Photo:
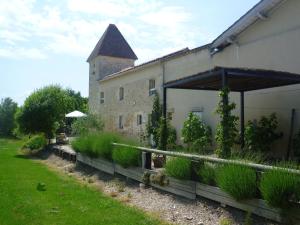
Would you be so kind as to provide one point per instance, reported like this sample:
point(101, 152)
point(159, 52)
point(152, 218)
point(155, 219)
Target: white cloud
point(167, 17)
point(73, 27)
point(107, 7)
point(21, 53)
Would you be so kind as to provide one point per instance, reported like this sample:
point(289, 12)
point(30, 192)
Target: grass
point(179, 168)
point(278, 187)
point(60, 199)
point(238, 181)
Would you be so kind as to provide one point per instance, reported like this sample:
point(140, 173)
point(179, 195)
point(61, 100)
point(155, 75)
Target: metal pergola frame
point(236, 79)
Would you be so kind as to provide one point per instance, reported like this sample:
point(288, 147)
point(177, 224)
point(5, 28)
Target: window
point(152, 90)
point(139, 119)
point(121, 93)
point(120, 122)
point(198, 113)
point(101, 97)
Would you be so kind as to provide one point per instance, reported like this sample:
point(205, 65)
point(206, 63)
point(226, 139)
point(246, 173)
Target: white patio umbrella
point(75, 114)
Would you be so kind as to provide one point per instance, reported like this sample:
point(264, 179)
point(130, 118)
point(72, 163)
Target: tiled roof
point(112, 43)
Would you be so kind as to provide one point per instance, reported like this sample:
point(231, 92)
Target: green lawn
point(65, 201)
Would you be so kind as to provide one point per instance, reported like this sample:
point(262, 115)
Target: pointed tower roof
point(112, 43)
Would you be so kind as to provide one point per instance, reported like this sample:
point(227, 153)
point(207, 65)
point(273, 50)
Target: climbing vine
point(153, 125)
point(227, 132)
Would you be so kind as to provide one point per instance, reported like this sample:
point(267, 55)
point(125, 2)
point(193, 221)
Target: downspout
point(164, 91)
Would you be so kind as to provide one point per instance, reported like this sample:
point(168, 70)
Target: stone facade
point(100, 67)
point(136, 103)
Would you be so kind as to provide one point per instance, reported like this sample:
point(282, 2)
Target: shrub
point(196, 134)
point(179, 168)
point(36, 142)
point(126, 156)
point(103, 144)
point(167, 135)
point(238, 181)
point(88, 124)
point(207, 173)
point(95, 145)
point(278, 187)
point(259, 136)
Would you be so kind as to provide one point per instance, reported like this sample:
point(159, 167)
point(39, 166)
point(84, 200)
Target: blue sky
point(48, 41)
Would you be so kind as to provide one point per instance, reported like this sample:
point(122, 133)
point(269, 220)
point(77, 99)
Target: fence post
point(146, 160)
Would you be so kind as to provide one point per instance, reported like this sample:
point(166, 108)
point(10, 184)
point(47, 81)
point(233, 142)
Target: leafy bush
point(167, 135)
point(196, 134)
point(126, 156)
point(88, 124)
point(278, 187)
point(95, 145)
point(36, 142)
point(238, 181)
point(207, 173)
point(259, 136)
point(179, 168)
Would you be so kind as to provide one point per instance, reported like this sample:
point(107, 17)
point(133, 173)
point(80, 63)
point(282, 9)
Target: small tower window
point(152, 89)
point(139, 119)
point(101, 97)
point(120, 122)
point(121, 93)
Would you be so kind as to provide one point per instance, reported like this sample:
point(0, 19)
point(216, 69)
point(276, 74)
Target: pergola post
point(242, 118)
point(225, 112)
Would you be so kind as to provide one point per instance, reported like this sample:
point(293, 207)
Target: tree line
point(42, 112)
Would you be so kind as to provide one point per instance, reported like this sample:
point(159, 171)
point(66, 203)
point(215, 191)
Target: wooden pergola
point(237, 80)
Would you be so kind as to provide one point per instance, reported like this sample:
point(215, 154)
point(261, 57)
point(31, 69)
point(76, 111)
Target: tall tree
point(44, 110)
point(8, 109)
point(80, 103)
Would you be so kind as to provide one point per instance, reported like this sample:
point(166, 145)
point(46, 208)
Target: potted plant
point(158, 160)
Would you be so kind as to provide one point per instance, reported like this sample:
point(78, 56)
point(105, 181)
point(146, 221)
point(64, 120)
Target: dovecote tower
point(111, 54)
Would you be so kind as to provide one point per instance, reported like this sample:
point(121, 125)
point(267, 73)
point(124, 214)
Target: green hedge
point(277, 187)
point(238, 181)
point(179, 168)
point(127, 156)
point(36, 142)
point(207, 173)
point(96, 145)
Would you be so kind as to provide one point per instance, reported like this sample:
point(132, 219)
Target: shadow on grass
point(40, 154)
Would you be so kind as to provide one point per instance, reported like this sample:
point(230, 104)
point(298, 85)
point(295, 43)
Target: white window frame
point(152, 88)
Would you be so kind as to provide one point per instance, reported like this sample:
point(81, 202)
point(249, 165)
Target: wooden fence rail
point(194, 157)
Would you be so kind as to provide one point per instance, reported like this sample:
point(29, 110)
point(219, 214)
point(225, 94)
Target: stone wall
point(99, 68)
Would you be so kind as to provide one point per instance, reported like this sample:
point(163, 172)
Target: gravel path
point(166, 206)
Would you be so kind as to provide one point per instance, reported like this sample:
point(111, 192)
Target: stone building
point(260, 53)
